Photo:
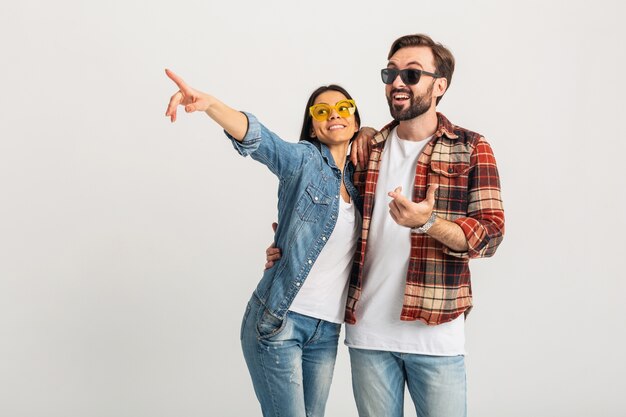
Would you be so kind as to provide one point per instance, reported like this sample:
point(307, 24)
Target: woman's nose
point(333, 114)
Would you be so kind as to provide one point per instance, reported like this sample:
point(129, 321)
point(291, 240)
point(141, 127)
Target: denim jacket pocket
point(312, 203)
point(268, 325)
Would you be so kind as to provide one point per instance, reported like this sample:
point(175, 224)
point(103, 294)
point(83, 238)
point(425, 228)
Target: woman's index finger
point(177, 80)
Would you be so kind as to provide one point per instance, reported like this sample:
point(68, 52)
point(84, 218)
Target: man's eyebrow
point(392, 64)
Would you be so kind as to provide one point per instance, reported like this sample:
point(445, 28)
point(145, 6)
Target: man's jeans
point(291, 361)
point(436, 383)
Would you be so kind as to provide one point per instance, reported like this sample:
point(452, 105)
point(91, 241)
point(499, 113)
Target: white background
point(129, 246)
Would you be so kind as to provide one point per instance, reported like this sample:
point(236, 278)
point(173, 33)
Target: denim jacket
point(308, 205)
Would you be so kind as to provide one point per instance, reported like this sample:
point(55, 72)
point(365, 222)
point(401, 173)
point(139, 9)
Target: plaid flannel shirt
point(438, 287)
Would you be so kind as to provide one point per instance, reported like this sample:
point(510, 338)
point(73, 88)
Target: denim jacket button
point(310, 262)
point(297, 284)
point(324, 238)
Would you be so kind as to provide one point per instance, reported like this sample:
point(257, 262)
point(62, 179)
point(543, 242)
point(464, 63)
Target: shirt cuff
point(474, 234)
point(251, 139)
point(462, 255)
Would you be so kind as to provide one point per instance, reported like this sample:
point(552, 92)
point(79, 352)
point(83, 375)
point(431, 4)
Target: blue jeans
point(291, 361)
point(436, 383)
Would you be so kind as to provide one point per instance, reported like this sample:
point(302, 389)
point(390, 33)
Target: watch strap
point(429, 223)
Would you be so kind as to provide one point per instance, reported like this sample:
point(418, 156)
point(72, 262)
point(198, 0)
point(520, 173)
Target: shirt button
point(324, 238)
point(297, 284)
point(336, 196)
point(310, 262)
point(316, 199)
point(450, 170)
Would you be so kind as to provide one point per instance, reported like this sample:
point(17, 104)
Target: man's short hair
point(444, 60)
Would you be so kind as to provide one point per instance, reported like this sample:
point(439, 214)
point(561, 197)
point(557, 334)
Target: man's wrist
point(426, 226)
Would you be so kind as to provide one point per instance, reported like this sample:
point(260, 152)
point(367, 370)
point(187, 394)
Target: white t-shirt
point(324, 292)
point(378, 324)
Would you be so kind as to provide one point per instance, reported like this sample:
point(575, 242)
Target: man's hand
point(409, 214)
point(272, 253)
point(362, 146)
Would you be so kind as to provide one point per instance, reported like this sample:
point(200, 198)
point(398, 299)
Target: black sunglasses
point(409, 76)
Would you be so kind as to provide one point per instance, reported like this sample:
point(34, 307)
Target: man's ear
point(441, 85)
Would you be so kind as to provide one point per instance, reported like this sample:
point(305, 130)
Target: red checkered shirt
point(438, 287)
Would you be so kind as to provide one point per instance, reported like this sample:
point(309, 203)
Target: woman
point(291, 326)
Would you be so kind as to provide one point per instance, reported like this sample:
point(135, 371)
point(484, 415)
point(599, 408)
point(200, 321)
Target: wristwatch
point(424, 228)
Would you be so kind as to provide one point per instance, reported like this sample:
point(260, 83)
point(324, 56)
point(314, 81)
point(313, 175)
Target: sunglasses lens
point(410, 76)
point(320, 112)
point(388, 75)
point(345, 108)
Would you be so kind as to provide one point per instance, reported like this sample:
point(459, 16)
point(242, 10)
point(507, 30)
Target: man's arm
point(484, 224)
point(480, 232)
point(410, 214)
point(272, 253)
point(361, 147)
point(450, 234)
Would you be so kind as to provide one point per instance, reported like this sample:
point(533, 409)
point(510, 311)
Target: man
point(431, 202)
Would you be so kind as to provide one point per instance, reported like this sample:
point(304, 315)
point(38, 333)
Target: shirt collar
point(325, 151)
point(444, 127)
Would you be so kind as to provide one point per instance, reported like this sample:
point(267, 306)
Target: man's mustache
point(401, 90)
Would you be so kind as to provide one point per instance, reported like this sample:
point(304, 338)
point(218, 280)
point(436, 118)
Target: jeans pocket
point(243, 321)
point(268, 325)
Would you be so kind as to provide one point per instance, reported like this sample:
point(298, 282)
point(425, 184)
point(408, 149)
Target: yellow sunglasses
point(322, 111)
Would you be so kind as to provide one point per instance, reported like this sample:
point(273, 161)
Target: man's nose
point(397, 82)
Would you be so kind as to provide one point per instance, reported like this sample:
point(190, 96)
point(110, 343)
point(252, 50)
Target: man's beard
point(418, 105)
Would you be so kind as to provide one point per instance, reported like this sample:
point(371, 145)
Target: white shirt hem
point(388, 348)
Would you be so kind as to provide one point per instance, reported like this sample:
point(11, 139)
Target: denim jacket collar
point(325, 151)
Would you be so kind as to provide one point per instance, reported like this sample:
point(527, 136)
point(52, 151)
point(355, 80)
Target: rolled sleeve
point(283, 158)
point(252, 138)
point(483, 226)
point(483, 236)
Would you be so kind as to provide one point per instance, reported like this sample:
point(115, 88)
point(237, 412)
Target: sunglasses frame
point(388, 74)
point(351, 110)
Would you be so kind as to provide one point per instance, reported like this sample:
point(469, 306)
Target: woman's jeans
point(291, 361)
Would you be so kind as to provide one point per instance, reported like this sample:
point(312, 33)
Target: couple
point(384, 248)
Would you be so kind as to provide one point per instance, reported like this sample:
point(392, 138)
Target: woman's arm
point(233, 121)
point(249, 136)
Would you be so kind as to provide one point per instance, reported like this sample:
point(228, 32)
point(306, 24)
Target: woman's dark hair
point(307, 124)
